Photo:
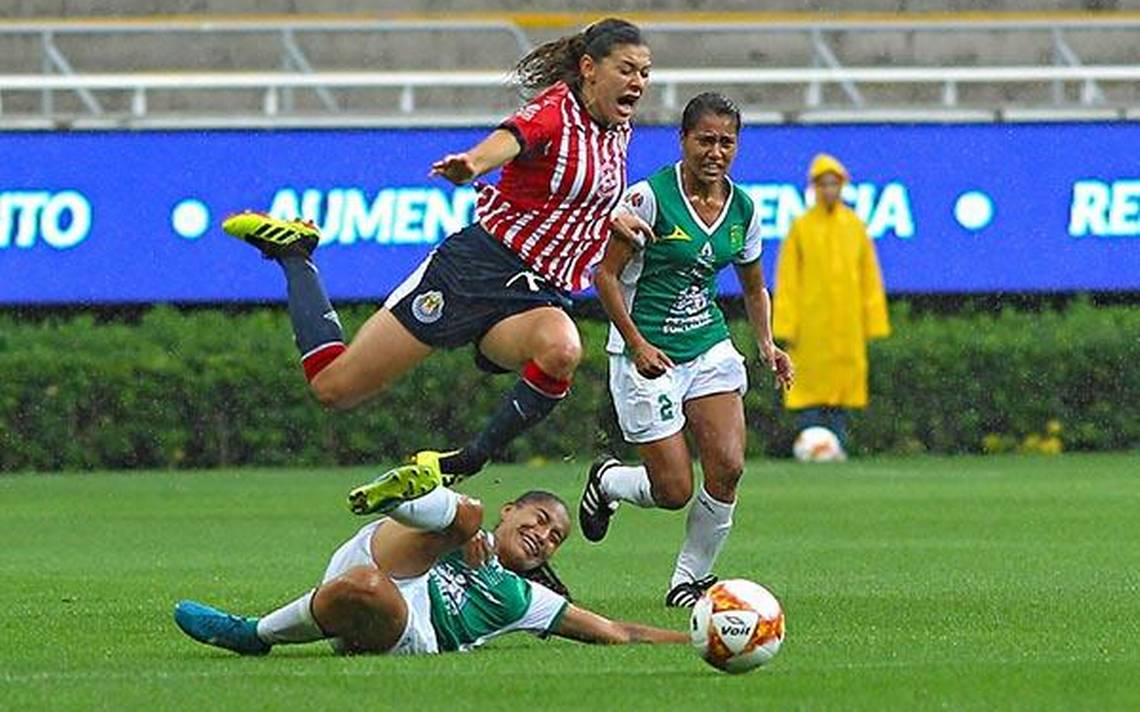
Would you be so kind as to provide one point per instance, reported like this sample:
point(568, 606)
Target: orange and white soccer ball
point(737, 625)
point(818, 444)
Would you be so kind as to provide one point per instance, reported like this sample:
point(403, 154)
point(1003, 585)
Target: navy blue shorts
point(464, 287)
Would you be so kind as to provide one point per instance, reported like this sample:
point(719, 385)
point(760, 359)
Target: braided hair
point(559, 60)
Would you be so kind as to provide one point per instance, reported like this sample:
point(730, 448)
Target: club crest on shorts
point(428, 307)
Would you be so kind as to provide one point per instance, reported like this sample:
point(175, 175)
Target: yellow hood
point(824, 163)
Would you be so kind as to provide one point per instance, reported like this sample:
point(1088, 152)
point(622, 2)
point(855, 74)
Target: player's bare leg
point(717, 424)
point(663, 479)
point(543, 345)
point(545, 335)
point(406, 547)
point(340, 376)
point(363, 607)
point(670, 471)
point(380, 353)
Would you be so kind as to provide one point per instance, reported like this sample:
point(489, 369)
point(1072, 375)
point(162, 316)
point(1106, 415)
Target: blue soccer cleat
point(218, 628)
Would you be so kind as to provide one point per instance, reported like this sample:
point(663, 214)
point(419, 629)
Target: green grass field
point(923, 583)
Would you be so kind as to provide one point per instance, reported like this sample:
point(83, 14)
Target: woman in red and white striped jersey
point(503, 282)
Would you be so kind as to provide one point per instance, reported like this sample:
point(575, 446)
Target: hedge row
point(206, 388)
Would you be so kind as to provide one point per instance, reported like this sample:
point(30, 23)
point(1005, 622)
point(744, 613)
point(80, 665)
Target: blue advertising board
point(119, 217)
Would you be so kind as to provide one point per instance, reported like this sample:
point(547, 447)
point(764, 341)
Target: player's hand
point(477, 551)
point(631, 228)
point(456, 167)
point(780, 363)
point(650, 361)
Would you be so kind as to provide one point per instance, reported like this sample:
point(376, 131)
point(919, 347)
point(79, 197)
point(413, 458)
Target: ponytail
point(559, 60)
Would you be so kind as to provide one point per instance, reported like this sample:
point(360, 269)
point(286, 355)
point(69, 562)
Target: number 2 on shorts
point(666, 407)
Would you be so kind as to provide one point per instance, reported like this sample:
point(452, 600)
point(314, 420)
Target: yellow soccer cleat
point(273, 236)
point(398, 485)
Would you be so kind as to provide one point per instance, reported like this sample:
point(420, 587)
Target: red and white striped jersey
point(553, 202)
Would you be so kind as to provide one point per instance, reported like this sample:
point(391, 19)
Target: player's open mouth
point(626, 102)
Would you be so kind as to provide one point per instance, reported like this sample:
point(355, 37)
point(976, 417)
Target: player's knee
point(723, 475)
point(327, 391)
point(332, 391)
point(673, 494)
point(468, 519)
point(360, 585)
point(560, 357)
point(730, 470)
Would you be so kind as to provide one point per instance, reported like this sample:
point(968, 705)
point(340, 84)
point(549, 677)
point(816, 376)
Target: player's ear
point(587, 68)
point(509, 506)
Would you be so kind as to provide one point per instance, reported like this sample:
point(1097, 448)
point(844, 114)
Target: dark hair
point(540, 496)
point(709, 102)
point(558, 59)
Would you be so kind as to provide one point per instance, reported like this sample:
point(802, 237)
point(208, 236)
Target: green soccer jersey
point(669, 286)
point(472, 605)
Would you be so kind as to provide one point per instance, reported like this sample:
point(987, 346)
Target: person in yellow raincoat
point(829, 302)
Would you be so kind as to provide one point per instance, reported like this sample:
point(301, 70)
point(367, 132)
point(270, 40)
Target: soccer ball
point(818, 444)
point(737, 626)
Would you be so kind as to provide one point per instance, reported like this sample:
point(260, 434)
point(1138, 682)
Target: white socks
point(622, 483)
point(433, 512)
point(706, 529)
point(291, 623)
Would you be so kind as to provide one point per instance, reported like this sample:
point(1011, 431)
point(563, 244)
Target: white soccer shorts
point(651, 409)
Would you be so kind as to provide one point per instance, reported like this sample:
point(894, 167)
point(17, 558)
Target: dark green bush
point(204, 388)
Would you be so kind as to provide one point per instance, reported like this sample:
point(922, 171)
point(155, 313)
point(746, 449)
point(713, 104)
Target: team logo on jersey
point(677, 234)
point(705, 259)
point(635, 199)
point(736, 237)
point(428, 307)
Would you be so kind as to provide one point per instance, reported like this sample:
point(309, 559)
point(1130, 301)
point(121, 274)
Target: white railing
point(284, 31)
point(277, 105)
point(820, 33)
point(668, 82)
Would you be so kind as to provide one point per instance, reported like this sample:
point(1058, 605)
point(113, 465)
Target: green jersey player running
point(427, 579)
point(671, 361)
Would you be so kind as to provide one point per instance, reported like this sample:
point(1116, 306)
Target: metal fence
point(126, 96)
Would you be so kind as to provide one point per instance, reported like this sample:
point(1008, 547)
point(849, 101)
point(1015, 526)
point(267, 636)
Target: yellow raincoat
point(829, 302)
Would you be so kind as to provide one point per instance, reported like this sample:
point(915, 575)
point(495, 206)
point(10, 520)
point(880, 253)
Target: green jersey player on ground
point(427, 579)
point(671, 360)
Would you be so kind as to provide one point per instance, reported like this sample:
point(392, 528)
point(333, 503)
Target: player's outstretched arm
point(492, 152)
point(589, 627)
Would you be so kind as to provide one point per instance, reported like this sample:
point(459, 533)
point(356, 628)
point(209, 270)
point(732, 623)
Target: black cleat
point(594, 511)
point(686, 595)
point(457, 465)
